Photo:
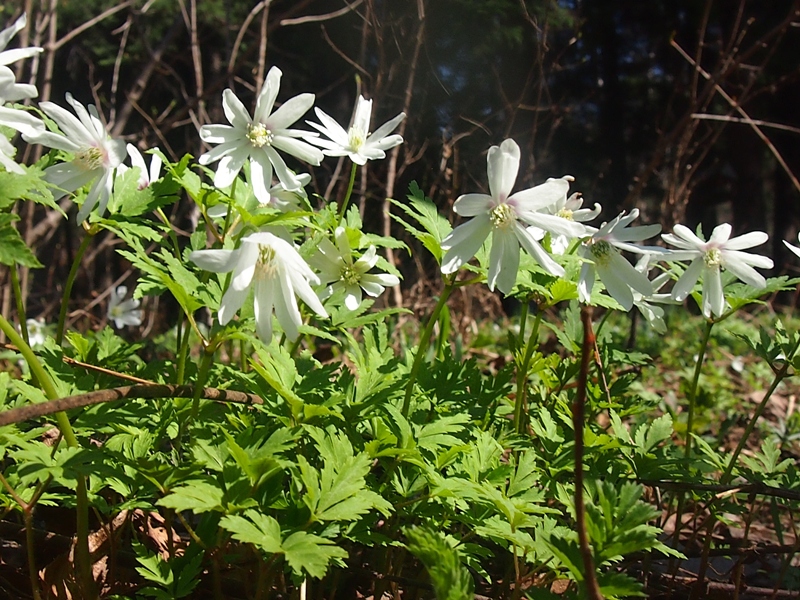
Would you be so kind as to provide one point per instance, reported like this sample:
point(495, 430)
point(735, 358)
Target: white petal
point(503, 260)
point(219, 134)
point(794, 249)
point(713, 297)
point(235, 112)
point(533, 248)
point(245, 266)
point(286, 176)
point(470, 205)
point(260, 176)
point(748, 240)
point(685, 284)
point(286, 306)
point(464, 242)
point(586, 283)
point(299, 149)
point(266, 99)
point(502, 167)
point(745, 272)
point(264, 301)
point(720, 235)
point(381, 132)
point(542, 196)
point(290, 111)
point(754, 260)
point(216, 261)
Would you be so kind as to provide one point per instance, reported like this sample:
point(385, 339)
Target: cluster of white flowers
point(269, 261)
point(523, 218)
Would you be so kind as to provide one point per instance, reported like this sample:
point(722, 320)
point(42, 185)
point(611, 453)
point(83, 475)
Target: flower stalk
point(424, 342)
point(73, 273)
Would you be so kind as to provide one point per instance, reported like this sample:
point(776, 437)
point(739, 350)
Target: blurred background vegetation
point(686, 109)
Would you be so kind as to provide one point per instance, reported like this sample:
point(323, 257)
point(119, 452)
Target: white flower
point(338, 271)
point(36, 332)
point(500, 213)
point(709, 257)
point(9, 56)
point(96, 155)
point(794, 249)
point(653, 314)
point(259, 138)
point(123, 312)
point(604, 259)
point(146, 176)
point(357, 142)
point(570, 209)
point(279, 273)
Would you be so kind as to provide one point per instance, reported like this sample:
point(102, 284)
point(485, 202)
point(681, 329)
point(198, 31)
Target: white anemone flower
point(123, 312)
point(96, 154)
point(653, 314)
point(37, 332)
point(709, 257)
point(357, 142)
point(604, 259)
point(338, 271)
point(146, 176)
point(258, 138)
point(794, 249)
point(278, 272)
point(571, 209)
point(504, 216)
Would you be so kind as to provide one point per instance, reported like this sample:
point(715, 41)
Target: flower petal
point(470, 205)
point(464, 242)
point(502, 167)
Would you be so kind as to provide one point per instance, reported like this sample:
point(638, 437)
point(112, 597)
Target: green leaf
point(29, 186)
point(198, 496)
point(303, 551)
point(339, 492)
point(434, 226)
point(450, 578)
point(13, 250)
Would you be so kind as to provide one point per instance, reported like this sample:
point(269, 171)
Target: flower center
point(601, 252)
point(502, 216)
point(356, 138)
point(259, 135)
point(266, 264)
point(350, 276)
point(565, 213)
point(713, 258)
point(89, 159)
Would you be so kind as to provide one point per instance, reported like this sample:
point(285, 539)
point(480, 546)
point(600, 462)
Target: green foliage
point(450, 579)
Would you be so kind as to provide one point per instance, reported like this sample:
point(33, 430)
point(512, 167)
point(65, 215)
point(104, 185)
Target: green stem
point(693, 389)
point(424, 342)
point(73, 272)
point(522, 370)
point(23, 324)
point(82, 498)
point(202, 377)
point(780, 375)
point(349, 193)
point(183, 352)
point(172, 237)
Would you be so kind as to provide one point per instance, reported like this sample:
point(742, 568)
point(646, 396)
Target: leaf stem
point(693, 389)
point(346, 200)
point(73, 273)
point(424, 342)
point(23, 324)
point(82, 499)
point(522, 369)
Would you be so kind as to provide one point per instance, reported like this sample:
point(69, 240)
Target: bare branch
point(758, 122)
point(145, 392)
point(320, 18)
point(88, 24)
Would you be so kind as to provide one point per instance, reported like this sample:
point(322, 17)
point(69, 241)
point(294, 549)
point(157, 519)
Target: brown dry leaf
point(153, 526)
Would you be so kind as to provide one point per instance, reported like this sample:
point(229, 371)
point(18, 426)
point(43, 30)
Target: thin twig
point(735, 105)
point(145, 392)
point(326, 17)
point(88, 24)
point(758, 122)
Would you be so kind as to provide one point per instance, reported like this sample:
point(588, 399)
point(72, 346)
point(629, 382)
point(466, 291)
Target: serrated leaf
point(13, 250)
point(197, 496)
point(449, 578)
